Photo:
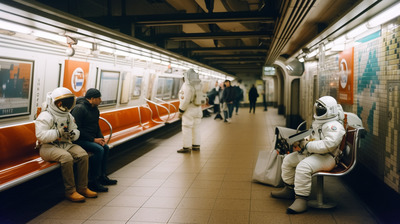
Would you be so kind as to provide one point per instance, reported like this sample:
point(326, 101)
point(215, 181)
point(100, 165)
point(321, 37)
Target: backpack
point(200, 98)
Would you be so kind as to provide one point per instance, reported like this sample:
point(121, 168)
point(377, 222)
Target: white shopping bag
point(268, 168)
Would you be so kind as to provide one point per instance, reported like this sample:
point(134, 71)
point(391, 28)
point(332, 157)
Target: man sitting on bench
point(55, 130)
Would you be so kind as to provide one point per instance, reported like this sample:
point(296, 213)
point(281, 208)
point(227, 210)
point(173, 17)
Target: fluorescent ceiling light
point(50, 36)
point(357, 31)
point(85, 44)
point(123, 53)
point(385, 16)
point(312, 54)
point(328, 45)
point(339, 40)
point(338, 47)
point(14, 27)
point(106, 49)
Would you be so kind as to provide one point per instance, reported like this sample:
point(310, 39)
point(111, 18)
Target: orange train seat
point(19, 160)
point(122, 125)
point(160, 113)
point(168, 111)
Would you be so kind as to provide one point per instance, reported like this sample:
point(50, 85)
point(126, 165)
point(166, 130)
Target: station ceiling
point(238, 37)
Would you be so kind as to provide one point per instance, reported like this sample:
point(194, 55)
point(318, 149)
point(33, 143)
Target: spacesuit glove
point(303, 144)
point(72, 135)
point(69, 135)
point(181, 113)
point(60, 132)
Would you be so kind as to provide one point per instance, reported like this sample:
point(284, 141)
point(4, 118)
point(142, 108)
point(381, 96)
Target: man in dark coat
point(228, 96)
point(86, 114)
point(253, 95)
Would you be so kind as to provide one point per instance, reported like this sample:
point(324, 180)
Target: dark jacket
point(253, 94)
point(229, 95)
point(239, 94)
point(87, 119)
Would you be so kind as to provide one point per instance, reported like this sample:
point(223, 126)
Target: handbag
point(268, 168)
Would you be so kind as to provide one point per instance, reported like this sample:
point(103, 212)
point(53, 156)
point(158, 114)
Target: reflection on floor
point(210, 186)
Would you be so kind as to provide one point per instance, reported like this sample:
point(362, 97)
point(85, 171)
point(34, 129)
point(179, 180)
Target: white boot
point(298, 206)
point(286, 193)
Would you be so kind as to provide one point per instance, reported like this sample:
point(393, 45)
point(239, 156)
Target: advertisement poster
point(109, 81)
point(75, 76)
point(346, 74)
point(15, 87)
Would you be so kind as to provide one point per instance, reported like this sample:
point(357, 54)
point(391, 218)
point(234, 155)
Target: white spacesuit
point(55, 130)
point(317, 153)
point(190, 111)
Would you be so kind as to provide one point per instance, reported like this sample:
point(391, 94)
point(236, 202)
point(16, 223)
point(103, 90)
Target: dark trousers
point(252, 106)
point(98, 161)
point(236, 104)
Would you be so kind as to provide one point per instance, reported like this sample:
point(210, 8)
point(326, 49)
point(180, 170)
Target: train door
point(293, 119)
point(280, 91)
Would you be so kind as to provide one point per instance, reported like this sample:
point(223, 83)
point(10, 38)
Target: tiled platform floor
point(210, 186)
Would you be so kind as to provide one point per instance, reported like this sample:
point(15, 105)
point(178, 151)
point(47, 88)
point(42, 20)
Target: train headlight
point(70, 51)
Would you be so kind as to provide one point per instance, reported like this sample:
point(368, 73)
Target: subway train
point(140, 82)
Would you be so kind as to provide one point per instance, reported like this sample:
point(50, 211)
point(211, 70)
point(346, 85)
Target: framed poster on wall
point(346, 73)
point(16, 78)
point(76, 74)
point(109, 81)
point(137, 87)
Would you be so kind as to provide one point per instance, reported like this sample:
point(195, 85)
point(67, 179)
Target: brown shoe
point(88, 193)
point(75, 197)
point(184, 150)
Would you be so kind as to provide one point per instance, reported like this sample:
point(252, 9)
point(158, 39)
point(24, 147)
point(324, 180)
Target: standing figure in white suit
point(315, 153)
point(191, 98)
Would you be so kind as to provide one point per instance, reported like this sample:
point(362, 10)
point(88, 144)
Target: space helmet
point(63, 95)
point(192, 77)
point(325, 107)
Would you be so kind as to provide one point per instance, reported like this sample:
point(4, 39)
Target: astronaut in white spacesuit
point(55, 131)
point(191, 98)
point(315, 153)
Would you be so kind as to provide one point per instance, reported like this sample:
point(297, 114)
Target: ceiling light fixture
point(385, 16)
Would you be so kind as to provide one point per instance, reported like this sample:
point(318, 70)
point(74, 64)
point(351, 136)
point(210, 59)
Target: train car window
point(125, 87)
point(137, 87)
point(16, 78)
point(176, 87)
point(168, 89)
point(164, 88)
point(160, 86)
point(109, 81)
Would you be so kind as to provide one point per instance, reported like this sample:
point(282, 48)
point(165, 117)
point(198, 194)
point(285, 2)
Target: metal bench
point(347, 160)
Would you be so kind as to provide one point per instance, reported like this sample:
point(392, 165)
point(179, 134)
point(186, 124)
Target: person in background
point(315, 153)
point(87, 115)
point(190, 112)
point(217, 101)
point(55, 130)
point(253, 95)
point(239, 97)
point(212, 94)
point(265, 101)
point(228, 96)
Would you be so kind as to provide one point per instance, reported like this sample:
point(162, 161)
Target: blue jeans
point(230, 109)
point(236, 104)
point(98, 161)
